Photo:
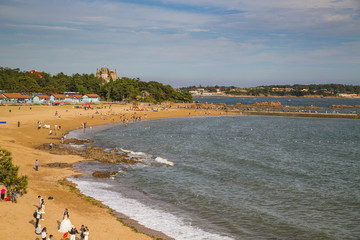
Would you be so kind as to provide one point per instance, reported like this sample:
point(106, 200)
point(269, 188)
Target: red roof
point(36, 73)
point(16, 95)
point(76, 96)
point(59, 96)
point(43, 96)
point(92, 95)
point(1, 96)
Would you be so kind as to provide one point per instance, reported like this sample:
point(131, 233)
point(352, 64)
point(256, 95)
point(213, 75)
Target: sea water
point(324, 103)
point(234, 177)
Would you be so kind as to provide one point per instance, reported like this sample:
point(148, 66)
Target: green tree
point(9, 174)
point(29, 85)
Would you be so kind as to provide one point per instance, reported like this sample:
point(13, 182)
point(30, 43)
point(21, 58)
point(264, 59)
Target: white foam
point(164, 161)
point(134, 153)
point(150, 217)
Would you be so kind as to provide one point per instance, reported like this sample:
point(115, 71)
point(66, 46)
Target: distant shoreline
point(286, 96)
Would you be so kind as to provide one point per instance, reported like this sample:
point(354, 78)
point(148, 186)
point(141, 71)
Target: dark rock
point(57, 164)
point(100, 174)
point(77, 141)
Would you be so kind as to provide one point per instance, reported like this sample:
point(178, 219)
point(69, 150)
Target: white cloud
point(197, 30)
point(43, 27)
point(337, 18)
point(149, 41)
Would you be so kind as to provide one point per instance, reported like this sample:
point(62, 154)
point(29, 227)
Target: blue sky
point(243, 43)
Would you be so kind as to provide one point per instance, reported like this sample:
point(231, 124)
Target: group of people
point(11, 197)
point(39, 215)
point(68, 229)
point(65, 226)
point(47, 126)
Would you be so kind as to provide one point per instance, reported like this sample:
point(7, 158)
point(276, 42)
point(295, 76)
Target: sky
point(243, 43)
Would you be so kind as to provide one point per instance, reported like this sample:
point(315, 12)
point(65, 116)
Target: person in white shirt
point(43, 234)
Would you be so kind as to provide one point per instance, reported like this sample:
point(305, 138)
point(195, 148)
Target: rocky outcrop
point(76, 141)
point(261, 105)
point(268, 104)
point(344, 106)
point(100, 174)
point(91, 153)
point(58, 165)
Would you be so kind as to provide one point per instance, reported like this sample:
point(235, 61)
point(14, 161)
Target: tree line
point(15, 80)
point(285, 90)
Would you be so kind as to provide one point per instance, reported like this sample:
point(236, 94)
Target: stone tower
point(106, 74)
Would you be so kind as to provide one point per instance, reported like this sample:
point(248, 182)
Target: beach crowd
point(65, 226)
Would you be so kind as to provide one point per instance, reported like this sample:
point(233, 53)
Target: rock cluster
point(58, 164)
point(91, 153)
point(105, 174)
point(76, 141)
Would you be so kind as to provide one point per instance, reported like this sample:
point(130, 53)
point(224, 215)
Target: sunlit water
point(323, 103)
point(243, 177)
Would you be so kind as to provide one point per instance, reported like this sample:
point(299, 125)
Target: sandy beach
point(17, 221)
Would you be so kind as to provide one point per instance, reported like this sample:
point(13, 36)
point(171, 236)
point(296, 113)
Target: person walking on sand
point(37, 165)
point(50, 237)
point(38, 216)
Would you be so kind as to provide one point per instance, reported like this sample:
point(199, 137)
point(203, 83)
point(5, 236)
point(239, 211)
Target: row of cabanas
point(42, 98)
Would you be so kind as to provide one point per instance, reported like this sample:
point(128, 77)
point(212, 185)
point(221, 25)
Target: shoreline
point(286, 96)
point(22, 142)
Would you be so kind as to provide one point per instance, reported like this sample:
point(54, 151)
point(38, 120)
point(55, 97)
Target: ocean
point(233, 177)
point(324, 103)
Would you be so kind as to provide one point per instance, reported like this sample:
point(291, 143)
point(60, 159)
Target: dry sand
point(16, 220)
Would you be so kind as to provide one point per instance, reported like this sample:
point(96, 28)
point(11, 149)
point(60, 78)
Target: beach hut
point(41, 98)
point(17, 98)
point(91, 98)
point(76, 98)
point(58, 98)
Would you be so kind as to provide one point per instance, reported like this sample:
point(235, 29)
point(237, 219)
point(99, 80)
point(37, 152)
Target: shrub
point(9, 174)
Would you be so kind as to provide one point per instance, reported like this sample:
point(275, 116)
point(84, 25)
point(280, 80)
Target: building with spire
point(106, 74)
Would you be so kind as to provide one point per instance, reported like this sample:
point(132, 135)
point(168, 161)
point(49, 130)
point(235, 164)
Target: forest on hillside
point(15, 80)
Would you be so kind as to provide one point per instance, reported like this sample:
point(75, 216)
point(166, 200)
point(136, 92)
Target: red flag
point(65, 235)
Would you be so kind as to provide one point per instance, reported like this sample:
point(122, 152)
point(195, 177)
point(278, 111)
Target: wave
point(164, 161)
point(148, 157)
point(148, 216)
